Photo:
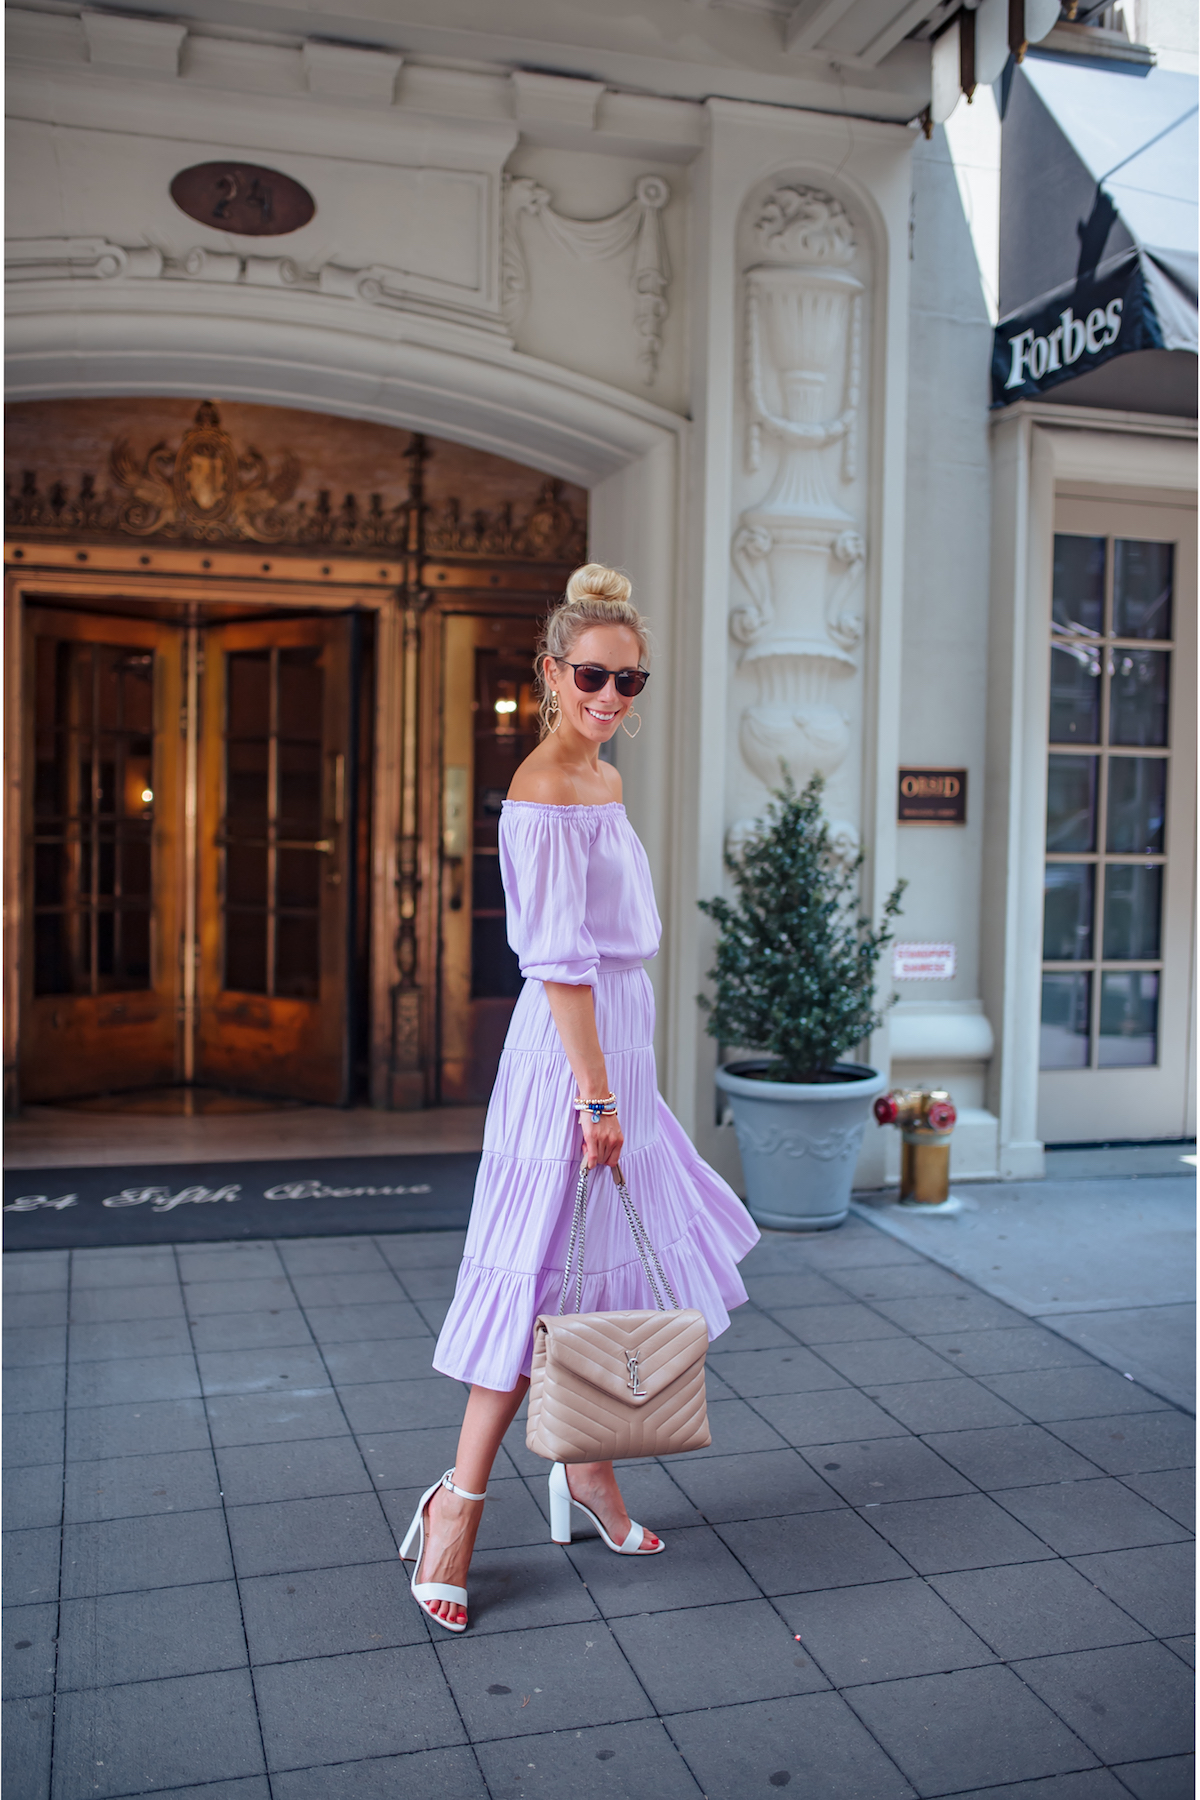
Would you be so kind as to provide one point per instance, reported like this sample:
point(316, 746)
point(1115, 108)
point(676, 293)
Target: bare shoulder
point(542, 781)
point(612, 780)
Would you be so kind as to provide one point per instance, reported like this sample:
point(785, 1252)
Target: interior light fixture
point(506, 706)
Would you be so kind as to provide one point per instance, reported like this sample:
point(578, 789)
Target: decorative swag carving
point(637, 223)
point(211, 491)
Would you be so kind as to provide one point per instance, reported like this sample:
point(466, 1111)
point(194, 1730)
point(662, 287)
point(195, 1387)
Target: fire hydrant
point(926, 1119)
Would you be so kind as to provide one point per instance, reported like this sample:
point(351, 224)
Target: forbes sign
point(1075, 328)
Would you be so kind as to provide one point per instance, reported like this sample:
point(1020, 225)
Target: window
point(1106, 798)
point(93, 809)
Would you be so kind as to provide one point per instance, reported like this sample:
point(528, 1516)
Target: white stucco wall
point(400, 312)
point(939, 1030)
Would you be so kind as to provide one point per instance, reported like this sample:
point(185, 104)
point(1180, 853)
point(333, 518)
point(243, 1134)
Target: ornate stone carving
point(638, 223)
point(799, 555)
point(95, 259)
point(802, 225)
point(77, 259)
point(211, 491)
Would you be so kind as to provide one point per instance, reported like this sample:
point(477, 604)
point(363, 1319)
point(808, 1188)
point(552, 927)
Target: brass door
point(100, 978)
point(489, 726)
point(276, 869)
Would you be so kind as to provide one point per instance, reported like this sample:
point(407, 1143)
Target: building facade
point(329, 355)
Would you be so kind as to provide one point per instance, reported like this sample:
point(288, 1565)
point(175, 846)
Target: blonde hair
point(595, 595)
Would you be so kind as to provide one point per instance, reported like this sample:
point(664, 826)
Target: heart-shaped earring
point(625, 727)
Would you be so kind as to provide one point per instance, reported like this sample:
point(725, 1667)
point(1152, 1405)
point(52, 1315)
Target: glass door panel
point(101, 965)
point(1116, 943)
point(489, 727)
point(276, 857)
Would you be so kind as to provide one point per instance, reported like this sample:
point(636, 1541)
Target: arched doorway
point(274, 671)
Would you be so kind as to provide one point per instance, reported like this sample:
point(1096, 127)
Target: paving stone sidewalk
point(935, 1549)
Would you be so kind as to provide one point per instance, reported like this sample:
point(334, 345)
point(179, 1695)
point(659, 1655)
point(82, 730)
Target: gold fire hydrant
point(926, 1119)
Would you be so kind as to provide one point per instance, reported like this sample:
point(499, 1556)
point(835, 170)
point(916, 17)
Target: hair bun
point(596, 582)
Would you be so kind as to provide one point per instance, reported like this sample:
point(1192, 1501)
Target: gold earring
point(553, 716)
point(625, 727)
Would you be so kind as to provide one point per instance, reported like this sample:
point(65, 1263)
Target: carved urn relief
point(798, 552)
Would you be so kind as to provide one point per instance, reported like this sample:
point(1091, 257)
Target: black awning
point(1098, 173)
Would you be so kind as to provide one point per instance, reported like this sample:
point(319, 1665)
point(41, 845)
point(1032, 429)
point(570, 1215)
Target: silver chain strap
point(641, 1238)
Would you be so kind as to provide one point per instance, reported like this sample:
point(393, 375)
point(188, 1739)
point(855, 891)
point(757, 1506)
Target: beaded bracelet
point(597, 1109)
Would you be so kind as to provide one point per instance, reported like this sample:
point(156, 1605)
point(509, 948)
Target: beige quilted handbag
point(617, 1384)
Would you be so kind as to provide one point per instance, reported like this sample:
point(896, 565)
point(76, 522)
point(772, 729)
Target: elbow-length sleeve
point(544, 868)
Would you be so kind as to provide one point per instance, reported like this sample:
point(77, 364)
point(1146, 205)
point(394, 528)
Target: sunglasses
point(590, 677)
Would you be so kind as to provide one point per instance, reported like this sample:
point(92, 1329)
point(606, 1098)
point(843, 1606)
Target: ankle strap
point(461, 1492)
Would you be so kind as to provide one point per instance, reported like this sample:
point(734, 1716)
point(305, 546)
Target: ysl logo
point(632, 1383)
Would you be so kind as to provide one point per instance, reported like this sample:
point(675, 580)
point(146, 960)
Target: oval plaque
point(242, 197)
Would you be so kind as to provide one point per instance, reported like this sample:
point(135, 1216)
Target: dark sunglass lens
point(630, 682)
point(590, 678)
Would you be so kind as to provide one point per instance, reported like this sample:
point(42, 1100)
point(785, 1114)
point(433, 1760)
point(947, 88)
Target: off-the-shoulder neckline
point(552, 806)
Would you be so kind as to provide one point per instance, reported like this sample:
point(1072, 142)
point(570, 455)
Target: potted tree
point(795, 983)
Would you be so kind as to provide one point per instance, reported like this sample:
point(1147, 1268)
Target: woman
point(581, 918)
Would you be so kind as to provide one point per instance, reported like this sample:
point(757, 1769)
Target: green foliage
point(796, 959)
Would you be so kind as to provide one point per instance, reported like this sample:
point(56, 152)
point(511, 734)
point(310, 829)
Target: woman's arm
point(574, 1012)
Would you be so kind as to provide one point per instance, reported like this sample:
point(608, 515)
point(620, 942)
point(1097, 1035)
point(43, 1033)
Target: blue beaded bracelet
point(597, 1109)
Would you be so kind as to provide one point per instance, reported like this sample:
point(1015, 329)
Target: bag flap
point(608, 1350)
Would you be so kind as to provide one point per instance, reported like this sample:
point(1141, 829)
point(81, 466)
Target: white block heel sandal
point(561, 1502)
point(425, 1591)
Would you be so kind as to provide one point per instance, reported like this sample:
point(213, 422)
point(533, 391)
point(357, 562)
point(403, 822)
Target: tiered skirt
point(516, 1248)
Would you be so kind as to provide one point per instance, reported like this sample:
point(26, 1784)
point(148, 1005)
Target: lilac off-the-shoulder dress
point(581, 910)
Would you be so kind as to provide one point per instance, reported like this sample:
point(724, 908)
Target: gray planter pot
point(799, 1142)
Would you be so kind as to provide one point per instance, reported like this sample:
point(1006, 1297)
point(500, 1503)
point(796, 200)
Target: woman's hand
point(603, 1141)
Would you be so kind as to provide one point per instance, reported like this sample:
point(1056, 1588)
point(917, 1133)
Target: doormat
point(198, 1203)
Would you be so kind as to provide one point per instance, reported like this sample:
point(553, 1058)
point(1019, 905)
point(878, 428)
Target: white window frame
point(1037, 450)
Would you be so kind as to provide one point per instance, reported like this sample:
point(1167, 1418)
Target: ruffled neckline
point(548, 806)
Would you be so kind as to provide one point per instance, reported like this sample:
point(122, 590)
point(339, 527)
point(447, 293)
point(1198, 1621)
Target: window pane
point(51, 961)
point(137, 697)
point(135, 868)
point(1079, 582)
point(301, 694)
point(246, 952)
point(1143, 576)
point(1137, 801)
point(249, 694)
point(246, 875)
point(1075, 695)
point(1138, 704)
point(297, 956)
point(50, 873)
point(1132, 905)
point(495, 971)
point(105, 944)
point(487, 889)
point(299, 790)
point(246, 788)
point(1128, 1020)
point(298, 878)
point(109, 663)
point(1067, 933)
point(139, 779)
point(1066, 1003)
point(1071, 803)
point(135, 947)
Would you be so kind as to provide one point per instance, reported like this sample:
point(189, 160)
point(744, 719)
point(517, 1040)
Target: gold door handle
point(326, 846)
